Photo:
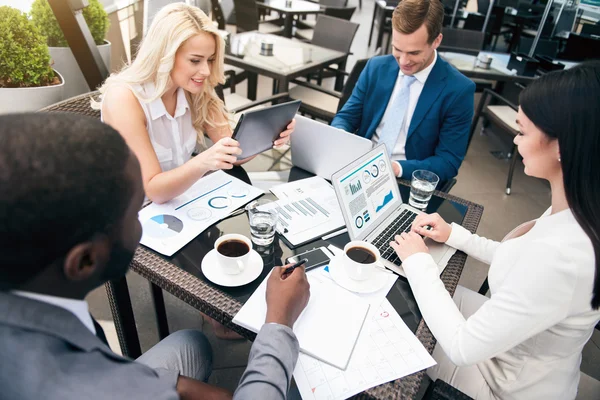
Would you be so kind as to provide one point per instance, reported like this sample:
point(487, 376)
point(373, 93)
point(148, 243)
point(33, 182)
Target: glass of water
point(262, 222)
point(421, 188)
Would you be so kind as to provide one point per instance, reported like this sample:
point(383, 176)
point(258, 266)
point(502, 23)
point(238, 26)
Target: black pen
point(289, 270)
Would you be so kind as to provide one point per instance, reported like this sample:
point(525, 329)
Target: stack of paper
point(307, 209)
point(328, 327)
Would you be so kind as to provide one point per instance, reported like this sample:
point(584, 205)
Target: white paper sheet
point(328, 327)
point(386, 350)
point(170, 226)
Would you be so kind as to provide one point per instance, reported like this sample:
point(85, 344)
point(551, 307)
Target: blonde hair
point(171, 27)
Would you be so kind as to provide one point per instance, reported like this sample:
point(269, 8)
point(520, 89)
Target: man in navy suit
point(412, 100)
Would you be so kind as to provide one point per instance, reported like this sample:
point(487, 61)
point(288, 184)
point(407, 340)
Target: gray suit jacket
point(47, 353)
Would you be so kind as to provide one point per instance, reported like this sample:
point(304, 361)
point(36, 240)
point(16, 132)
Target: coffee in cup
point(360, 260)
point(233, 248)
point(233, 253)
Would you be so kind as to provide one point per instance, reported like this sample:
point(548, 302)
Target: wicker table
point(181, 276)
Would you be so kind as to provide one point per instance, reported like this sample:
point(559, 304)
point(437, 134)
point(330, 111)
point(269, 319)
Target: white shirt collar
point(78, 307)
point(157, 107)
point(424, 74)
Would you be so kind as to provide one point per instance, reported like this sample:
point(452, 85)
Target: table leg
point(287, 25)
point(373, 22)
point(159, 311)
point(380, 31)
point(122, 312)
point(339, 78)
point(283, 85)
point(252, 85)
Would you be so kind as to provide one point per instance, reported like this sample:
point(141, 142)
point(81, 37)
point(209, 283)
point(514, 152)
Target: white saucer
point(339, 275)
point(213, 272)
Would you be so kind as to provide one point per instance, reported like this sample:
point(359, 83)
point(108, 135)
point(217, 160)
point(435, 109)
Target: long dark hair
point(565, 105)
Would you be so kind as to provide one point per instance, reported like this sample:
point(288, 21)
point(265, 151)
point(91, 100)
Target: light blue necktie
point(396, 115)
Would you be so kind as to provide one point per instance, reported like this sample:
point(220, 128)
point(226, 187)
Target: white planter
point(65, 63)
point(30, 99)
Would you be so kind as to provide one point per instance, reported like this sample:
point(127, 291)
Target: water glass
point(262, 222)
point(421, 188)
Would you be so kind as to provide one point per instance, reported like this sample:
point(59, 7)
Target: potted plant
point(27, 81)
point(62, 56)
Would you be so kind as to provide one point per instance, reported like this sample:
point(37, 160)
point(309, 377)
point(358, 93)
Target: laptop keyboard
point(402, 223)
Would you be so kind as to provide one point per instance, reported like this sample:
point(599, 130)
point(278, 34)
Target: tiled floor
point(481, 179)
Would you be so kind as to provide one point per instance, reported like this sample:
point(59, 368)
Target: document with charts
point(386, 350)
point(307, 209)
point(170, 226)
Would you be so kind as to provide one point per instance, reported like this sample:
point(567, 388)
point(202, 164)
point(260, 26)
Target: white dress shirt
point(173, 137)
point(527, 339)
point(78, 307)
point(415, 91)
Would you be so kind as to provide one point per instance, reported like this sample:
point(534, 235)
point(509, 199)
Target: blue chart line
point(202, 195)
point(388, 197)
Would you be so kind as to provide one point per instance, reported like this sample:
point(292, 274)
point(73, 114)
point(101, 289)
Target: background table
point(290, 59)
point(295, 7)
point(498, 71)
point(181, 276)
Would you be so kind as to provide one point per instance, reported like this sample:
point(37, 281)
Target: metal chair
point(504, 115)
point(247, 19)
point(461, 41)
point(306, 32)
point(335, 34)
point(580, 48)
point(544, 47)
point(322, 103)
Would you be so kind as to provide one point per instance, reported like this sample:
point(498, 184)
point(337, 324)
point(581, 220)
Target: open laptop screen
point(366, 190)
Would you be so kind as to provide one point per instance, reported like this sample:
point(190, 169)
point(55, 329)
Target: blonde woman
point(164, 102)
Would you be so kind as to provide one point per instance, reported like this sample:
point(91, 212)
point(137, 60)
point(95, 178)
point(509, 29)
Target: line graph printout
point(168, 227)
point(385, 351)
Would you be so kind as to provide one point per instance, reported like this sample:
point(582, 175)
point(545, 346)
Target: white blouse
point(173, 137)
point(528, 338)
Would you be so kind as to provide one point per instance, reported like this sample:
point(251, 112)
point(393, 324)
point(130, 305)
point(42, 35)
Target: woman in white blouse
point(164, 102)
point(525, 341)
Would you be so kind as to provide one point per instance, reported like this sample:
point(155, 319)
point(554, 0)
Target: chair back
point(246, 15)
point(482, 6)
point(579, 48)
point(545, 47)
point(333, 3)
point(353, 78)
point(340, 12)
point(334, 33)
point(217, 14)
point(462, 41)
point(589, 29)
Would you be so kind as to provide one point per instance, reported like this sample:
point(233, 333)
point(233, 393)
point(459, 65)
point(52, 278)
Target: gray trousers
point(187, 352)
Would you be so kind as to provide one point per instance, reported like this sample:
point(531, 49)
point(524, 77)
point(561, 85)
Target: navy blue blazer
point(439, 129)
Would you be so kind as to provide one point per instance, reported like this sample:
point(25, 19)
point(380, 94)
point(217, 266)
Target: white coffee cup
point(229, 264)
point(356, 270)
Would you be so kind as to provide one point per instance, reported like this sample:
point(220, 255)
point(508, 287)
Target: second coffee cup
point(233, 253)
point(360, 260)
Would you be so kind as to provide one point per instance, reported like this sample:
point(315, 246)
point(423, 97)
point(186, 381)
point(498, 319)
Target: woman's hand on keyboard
point(407, 244)
point(432, 226)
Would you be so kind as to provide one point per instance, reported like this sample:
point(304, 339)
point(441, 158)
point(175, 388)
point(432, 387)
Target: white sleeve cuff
point(399, 169)
point(418, 261)
point(458, 236)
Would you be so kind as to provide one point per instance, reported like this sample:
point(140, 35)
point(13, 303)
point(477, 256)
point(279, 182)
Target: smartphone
point(316, 258)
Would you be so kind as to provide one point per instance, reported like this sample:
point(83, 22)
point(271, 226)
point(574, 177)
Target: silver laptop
point(323, 149)
point(373, 208)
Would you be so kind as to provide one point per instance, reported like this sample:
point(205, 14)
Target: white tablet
point(258, 129)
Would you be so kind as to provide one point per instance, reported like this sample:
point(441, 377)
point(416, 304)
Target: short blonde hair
point(410, 15)
point(171, 27)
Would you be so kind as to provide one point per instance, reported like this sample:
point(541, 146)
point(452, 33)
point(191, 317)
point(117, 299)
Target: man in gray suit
point(70, 191)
